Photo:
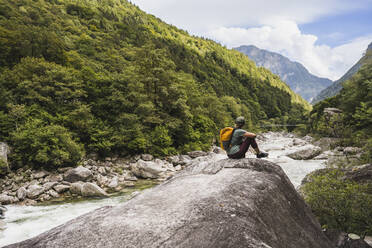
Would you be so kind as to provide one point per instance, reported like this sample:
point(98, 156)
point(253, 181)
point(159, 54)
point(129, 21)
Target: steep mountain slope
point(293, 73)
point(102, 76)
point(355, 101)
point(335, 88)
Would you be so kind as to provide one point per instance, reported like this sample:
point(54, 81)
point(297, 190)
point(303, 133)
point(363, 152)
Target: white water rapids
point(24, 222)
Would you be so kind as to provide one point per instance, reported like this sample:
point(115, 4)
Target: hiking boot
point(262, 155)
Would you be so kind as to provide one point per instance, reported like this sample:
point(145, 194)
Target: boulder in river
point(228, 203)
point(78, 174)
point(306, 153)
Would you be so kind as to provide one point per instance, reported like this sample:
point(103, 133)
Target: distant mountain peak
point(298, 78)
point(369, 48)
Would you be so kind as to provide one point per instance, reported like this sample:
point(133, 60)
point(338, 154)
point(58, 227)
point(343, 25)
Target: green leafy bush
point(340, 204)
point(49, 146)
point(3, 167)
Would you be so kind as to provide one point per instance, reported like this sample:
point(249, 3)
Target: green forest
point(339, 202)
point(81, 77)
point(354, 126)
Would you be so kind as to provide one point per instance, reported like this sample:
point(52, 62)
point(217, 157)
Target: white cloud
point(199, 16)
point(286, 38)
point(268, 24)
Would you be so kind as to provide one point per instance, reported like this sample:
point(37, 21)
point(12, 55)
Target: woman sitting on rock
point(241, 140)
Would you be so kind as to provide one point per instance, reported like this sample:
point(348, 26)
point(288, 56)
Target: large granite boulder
point(78, 174)
point(229, 203)
point(306, 153)
point(151, 169)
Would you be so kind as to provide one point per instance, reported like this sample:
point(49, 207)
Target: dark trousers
point(244, 148)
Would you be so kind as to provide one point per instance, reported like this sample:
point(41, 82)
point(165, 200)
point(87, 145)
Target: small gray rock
point(195, 154)
point(92, 190)
point(34, 191)
point(113, 183)
point(49, 185)
point(40, 174)
point(102, 170)
point(53, 194)
point(147, 157)
point(78, 174)
point(60, 188)
point(352, 150)
point(76, 188)
point(21, 193)
point(6, 199)
point(54, 178)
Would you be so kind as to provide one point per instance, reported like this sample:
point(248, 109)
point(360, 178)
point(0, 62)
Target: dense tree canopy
point(355, 100)
point(102, 76)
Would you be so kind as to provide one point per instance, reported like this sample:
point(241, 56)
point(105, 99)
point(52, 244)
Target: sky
point(327, 36)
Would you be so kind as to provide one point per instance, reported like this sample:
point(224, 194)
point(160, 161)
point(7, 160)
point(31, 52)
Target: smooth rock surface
point(34, 191)
point(60, 188)
point(6, 199)
point(92, 190)
point(21, 193)
point(306, 153)
point(78, 174)
point(148, 169)
point(228, 203)
point(196, 154)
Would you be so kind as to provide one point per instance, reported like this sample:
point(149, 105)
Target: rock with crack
point(308, 152)
point(229, 203)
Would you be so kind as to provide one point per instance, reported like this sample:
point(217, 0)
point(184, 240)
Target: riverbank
point(92, 178)
point(20, 220)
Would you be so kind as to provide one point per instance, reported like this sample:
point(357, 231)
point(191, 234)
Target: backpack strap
point(232, 134)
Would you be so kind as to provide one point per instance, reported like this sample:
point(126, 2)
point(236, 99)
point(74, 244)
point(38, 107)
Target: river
point(24, 222)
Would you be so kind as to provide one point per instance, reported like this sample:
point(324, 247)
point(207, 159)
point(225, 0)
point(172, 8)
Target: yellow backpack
point(226, 135)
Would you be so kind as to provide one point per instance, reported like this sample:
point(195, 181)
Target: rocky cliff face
point(298, 78)
point(229, 203)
